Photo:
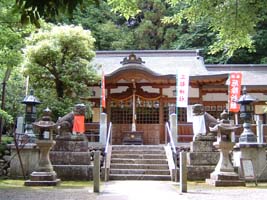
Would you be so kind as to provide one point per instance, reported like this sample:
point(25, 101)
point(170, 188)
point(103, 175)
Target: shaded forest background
point(112, 31)
point(147, 31)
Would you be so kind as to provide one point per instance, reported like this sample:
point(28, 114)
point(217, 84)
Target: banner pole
point(177, 110)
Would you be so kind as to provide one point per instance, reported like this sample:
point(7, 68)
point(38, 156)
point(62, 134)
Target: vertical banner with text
point(234, 91)
point(182, 86)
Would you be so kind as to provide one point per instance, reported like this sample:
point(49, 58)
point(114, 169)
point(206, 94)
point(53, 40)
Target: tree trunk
point(60, 89)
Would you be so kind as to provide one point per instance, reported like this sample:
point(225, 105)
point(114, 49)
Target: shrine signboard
point(234, 91)
point(182, 86)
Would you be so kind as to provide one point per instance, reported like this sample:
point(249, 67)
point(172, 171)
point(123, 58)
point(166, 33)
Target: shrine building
point(140, 90)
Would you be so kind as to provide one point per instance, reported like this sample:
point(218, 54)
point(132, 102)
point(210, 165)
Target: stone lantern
point(44, 175)
point(30, 114)
point(246, 110)
point(248, 148)
point(224, 173)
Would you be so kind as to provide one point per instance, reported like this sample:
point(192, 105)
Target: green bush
point(3, 145)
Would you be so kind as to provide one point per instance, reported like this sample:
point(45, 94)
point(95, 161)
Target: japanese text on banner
point(182, 88)
point(234, 91)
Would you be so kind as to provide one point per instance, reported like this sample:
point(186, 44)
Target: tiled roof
point(168, 62)
point(252, 75)
point(163, 62)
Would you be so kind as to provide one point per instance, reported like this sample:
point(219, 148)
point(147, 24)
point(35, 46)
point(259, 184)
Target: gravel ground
point(47, 194)
point(137, 190)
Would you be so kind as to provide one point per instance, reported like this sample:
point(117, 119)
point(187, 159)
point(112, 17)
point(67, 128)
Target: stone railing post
point(173, 127)
point(103, 128)
point(96, 171)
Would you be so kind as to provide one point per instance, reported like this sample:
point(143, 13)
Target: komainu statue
point(65, 123)
point(202, 121)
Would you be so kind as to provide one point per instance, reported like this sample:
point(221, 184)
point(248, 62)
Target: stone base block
point(70, 158)
point(42, 183)
point(74, 172)
point(73, 146)
point(29, 157)
point(225, 183)
point(225, 179)
point(201, 146)
point(203, 158)
point(71, 137)
point(254, 152)
point(43, 179)
point(43, 176)
point(199, 173)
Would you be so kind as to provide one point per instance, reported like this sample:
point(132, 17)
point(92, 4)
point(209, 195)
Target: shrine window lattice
point(147, 112)
point(170, 108)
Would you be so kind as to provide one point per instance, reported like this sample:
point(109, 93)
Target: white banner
point(182, 87)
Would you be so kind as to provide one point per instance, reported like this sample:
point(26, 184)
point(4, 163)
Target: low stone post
point(96, 171)
point(183, 172)
point(259, 131)
point(103, 128)
point(173, 127)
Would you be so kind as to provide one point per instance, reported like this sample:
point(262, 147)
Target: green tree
point(32, 11)
point(108, 28)
point(12, 35)
point(57, 59)
point(233, 21)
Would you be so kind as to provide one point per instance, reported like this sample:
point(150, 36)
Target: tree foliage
point(57, 59)
point(12, 35)
point(233, 21)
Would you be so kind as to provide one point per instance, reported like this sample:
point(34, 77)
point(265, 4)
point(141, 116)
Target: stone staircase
point(139, 162)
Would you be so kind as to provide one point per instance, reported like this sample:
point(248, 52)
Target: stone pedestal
point(71, 158)
point(254, 152)
point(224, 174)
point(44, 175)
point(29, 155)
point(201, 160)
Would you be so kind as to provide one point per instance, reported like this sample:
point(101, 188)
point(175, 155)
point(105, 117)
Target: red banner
point(103, 93)
point(235, 90)
point(78, 124)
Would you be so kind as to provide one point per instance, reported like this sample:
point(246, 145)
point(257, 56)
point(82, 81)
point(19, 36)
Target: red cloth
point(78, 124)
point(103, 92)
point(234, 91)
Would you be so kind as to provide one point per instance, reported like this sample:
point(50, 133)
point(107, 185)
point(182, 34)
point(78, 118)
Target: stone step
point(139, 177)
point(138, 166)
point(139, 147)
point(138, 152)
point(139, 161)
point(139, 171)
point(139, 156)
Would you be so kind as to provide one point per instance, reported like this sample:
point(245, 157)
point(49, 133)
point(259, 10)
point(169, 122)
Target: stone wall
point(5, 161)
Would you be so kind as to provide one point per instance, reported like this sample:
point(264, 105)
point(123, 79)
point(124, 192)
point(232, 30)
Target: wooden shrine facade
point(138, 95)
point(140, 90)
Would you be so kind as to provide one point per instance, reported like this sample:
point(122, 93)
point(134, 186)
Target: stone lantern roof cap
point(246, 98)
point(31, 99)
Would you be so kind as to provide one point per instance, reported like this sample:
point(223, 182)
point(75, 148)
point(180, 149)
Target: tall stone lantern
point(248, 148)
point(30, 114)
point(44, 174)
point(224, 173)
point(246, 110)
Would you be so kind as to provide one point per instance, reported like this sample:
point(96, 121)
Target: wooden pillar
point(161, 117)
point(108, 111)
point(200, 94)
point(134, 107)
